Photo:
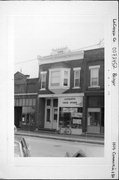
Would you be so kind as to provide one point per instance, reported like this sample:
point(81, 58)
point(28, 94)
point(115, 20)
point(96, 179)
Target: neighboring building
point(94, 90)
point(25, 108)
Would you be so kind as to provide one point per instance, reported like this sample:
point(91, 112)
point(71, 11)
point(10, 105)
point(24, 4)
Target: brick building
point(25, 101)
point(94, 91)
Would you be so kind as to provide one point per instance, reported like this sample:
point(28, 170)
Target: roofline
point(73, 55)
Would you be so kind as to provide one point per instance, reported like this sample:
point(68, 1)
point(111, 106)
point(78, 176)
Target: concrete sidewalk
point(74, 138)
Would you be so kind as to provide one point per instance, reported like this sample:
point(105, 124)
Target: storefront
point(62, 111)
point(25, 112)
point(95, 114)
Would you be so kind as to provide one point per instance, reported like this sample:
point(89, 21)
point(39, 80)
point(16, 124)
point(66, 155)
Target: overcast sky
point(38, 35)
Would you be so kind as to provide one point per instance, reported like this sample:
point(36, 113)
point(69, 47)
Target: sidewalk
point(56, 136)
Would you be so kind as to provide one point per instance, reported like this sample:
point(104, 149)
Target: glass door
point(93, 120)
point(48, 115)
point(55, 114)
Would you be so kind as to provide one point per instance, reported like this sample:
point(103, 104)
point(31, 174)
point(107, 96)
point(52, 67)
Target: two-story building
point(61, 90)
point(94, 90)
point(25, 101)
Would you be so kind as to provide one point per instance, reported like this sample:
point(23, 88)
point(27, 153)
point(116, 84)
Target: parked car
point(21, 148)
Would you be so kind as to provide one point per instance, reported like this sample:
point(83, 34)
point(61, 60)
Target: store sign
point(71, 102)
point(76, 121)
point(71, 110)
point(78, 115)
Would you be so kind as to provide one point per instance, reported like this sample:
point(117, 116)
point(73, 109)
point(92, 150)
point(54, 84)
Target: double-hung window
point(94, 76)
point(66, 78)
point(59, 78)
point(43, 79)
point(77, 77)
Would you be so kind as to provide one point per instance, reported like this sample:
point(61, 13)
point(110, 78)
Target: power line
point(26, 61)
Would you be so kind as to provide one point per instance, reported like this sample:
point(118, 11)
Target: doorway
point(51, 113)
point(93, 120)
point(17, 116)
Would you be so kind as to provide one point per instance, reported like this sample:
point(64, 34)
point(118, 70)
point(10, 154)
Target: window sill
point(42, 89)
point(76, 88)
point(59, 87)
point(93, 87)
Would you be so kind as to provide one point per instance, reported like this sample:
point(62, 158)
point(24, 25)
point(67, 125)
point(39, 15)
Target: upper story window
point(55, 78)
point(77, 77)
point(43, 79)
point(59, 78)
point(94, 76)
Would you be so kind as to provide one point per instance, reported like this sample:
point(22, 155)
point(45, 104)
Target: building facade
point(61, 90)
point(68, 92)
point(25, 101)
point(94, 90)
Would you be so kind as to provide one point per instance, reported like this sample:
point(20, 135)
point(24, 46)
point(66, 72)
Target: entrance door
point(93, 120)
point(51, 114)
point(55, 116)
point(54, 113)
point(48, 114)
point(17, 116)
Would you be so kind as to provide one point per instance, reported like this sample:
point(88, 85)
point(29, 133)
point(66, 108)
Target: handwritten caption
point(114, 53)
point(113, 170)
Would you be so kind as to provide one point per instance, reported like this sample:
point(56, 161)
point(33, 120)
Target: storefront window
point(93, 119)
point(28, 116)
point(70, 116)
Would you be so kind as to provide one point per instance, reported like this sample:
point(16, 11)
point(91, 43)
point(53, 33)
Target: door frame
point(50, 124)
point(98, 109)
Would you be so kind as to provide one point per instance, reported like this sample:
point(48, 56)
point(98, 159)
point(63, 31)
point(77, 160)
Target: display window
point(70, 117)
point(28, 116)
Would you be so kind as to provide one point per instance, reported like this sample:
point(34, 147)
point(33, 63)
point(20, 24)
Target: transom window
point(94, 76)
point(59, 78)
point(77, 77)
point(43, 80)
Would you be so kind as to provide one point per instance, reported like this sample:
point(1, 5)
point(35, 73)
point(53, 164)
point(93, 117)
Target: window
point(94, 76)
point(48, 110)
point(43, 80)
point(77, 77)
point(59, 78)
point(65, 78)
point(55, 78)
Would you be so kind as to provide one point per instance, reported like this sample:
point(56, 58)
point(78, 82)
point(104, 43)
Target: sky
point(38, 35)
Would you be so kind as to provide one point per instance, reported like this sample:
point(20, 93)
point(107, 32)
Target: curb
point(62, 138)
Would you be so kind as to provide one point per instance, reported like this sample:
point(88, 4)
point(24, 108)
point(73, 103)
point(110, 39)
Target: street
point(42, 147)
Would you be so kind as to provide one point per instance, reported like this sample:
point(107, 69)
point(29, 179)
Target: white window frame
point(61, 86)
point(76, 69)
point(90, 68)
point(43, 72)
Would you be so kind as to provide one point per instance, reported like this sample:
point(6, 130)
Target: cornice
point(76, 55)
